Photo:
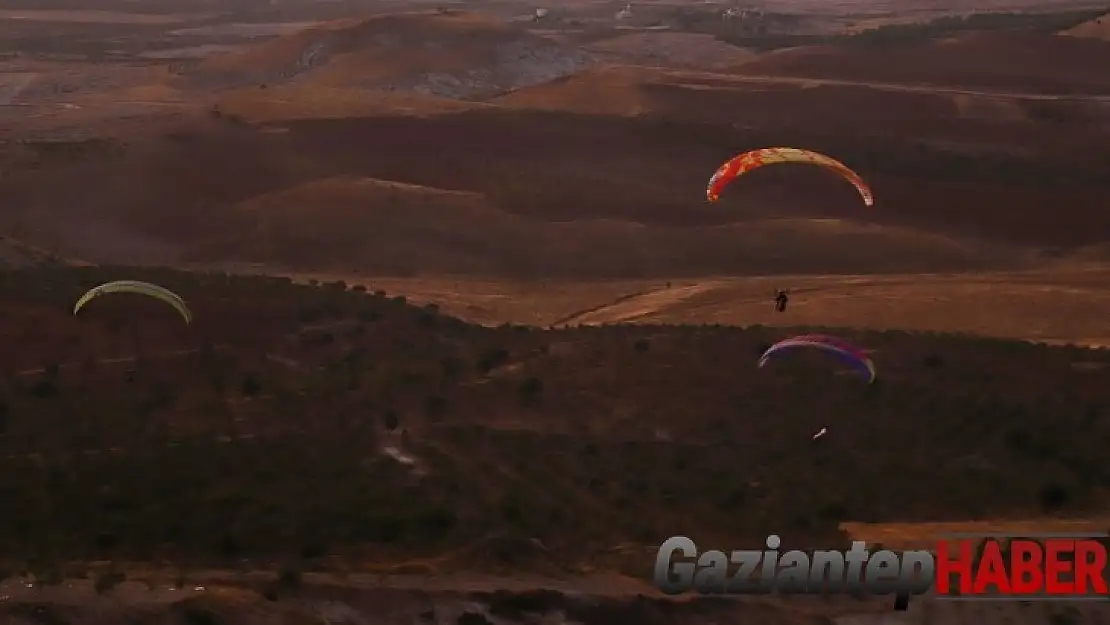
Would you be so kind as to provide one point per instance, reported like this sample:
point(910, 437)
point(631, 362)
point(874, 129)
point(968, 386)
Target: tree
point(251, 386)
point(531, 389)
point(1053, 497)
point(392, 419)
point(452, 367)
point(435, 406)
point(492, 359)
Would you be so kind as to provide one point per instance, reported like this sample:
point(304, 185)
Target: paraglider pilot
point(780, 301)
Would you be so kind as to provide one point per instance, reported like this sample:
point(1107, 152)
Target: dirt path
point(1056, 305)
point(1041, 308)
point(634, 306)
point(909, 88)
point(569, 319)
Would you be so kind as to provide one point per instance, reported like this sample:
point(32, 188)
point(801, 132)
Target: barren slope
point(1052, 306)
point(15, 254)
point(1098, 28)
point(1059, 305)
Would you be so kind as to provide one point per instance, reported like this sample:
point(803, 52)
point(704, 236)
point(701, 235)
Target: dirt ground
point(1059, 305)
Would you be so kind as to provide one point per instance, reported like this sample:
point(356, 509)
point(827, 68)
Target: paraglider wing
point(743, 163)
point(135, 286)
point(845, 351)
point(831, 340)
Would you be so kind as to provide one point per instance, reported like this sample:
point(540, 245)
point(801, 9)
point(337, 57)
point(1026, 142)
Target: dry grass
point(1059, 305)
point(1098, 28)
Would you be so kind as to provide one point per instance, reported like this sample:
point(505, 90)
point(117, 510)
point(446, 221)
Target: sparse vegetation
point(103, 471)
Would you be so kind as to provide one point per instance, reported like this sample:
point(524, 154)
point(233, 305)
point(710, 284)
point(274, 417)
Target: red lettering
point(1026, 576)
point(992, 570)
point(1090, 567)
point(960, 566)
point(1055, 565)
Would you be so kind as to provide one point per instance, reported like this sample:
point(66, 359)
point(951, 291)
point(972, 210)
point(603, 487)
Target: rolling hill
point(565, 194)
point(454, 54)
point(598, 172)
point(1098, 28)
point(15, 254)
point(388, 228)
point(559, 166)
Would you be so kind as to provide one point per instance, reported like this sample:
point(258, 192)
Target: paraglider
point(743, 163)
point(847, 352)
point(781, 298)
point(135, 286)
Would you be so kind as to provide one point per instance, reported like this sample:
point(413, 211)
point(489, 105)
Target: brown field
point(548, 364)
point(1098, 28)
point(1062, 305)
point(1032, 62)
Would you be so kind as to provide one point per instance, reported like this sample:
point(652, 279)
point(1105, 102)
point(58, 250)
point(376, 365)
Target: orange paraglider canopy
point(743, 163)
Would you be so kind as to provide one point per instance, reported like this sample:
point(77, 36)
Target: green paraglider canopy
point(135, 286)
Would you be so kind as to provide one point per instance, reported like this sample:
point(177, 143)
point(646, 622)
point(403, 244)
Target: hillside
point(18, 254)
point(1053, 306)
point(1098, 28)
point(389, 228)
point(123, 430)
point(1007, 61)
point(596, 173)
point(453, 54)
point(1061, 304)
